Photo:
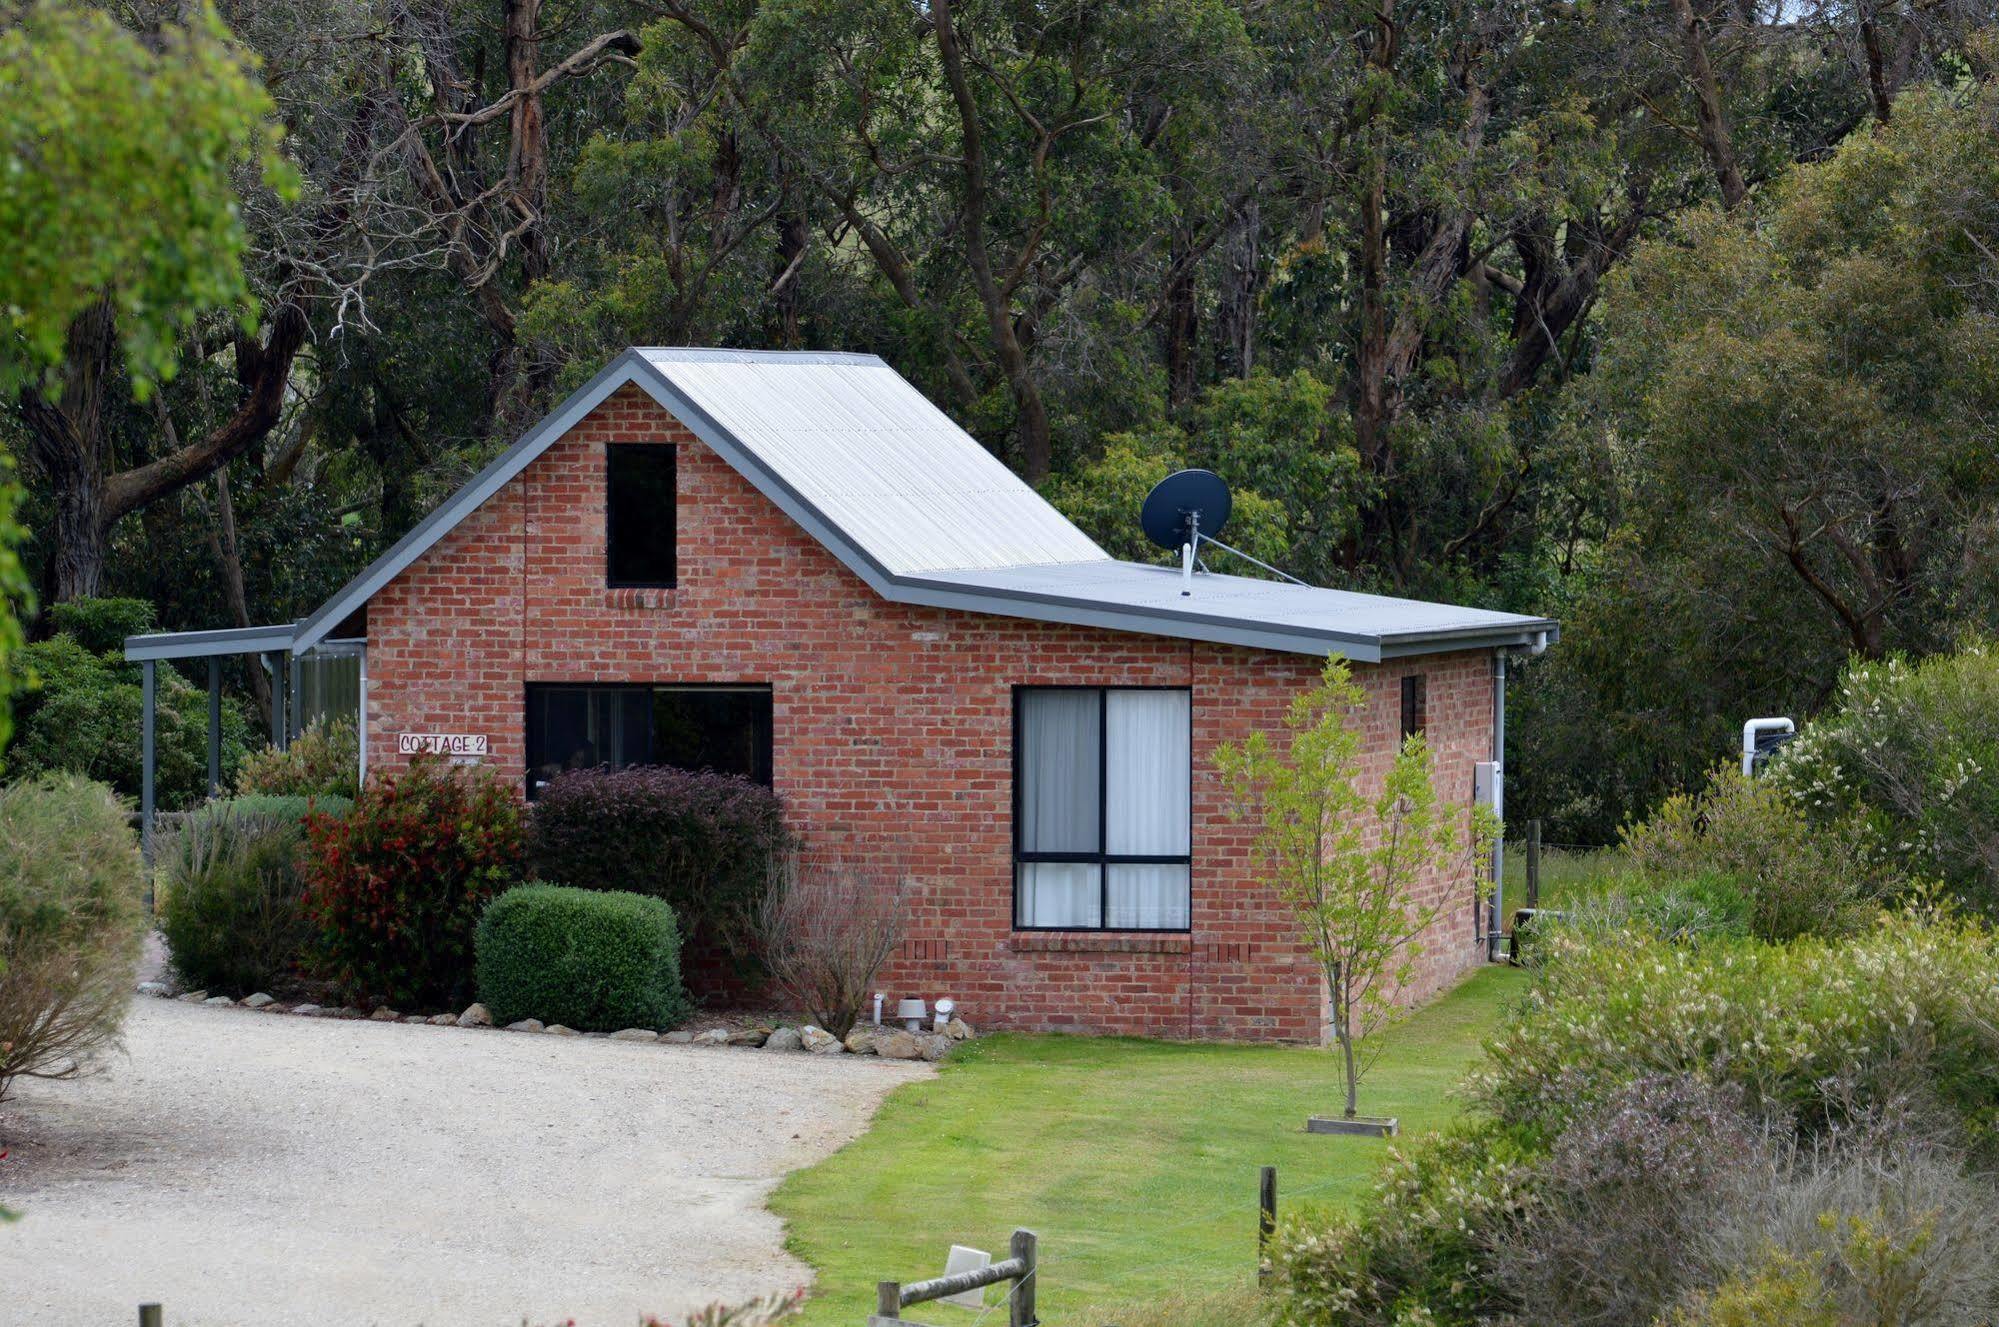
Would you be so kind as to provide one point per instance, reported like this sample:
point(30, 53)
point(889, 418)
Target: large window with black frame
point(1103, 787)
point(722, 728)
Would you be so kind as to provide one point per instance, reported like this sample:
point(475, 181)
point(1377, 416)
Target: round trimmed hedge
point(593, 960)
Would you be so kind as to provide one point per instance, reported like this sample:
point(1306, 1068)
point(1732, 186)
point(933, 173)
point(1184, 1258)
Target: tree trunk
point(1371, 357)
point(1181, 323)
point(792, 240)
point(1715, 138)
point(1877, 74)
point(82, 536)
point(527, 145)
point(1242, 280)
point(69, 447)
point(1349, 1068)
point(229, 560)
point(1371, 412)
point(1036, 445)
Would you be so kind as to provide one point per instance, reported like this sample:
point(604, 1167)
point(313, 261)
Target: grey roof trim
point(1530, 632)
point(931, 590)
point(1226, 630)
point(201, 644)
point(468, 499)
point(1190, 626)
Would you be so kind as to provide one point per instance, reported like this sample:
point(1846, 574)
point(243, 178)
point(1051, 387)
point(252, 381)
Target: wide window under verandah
point(726, 729)
point(1103, 814)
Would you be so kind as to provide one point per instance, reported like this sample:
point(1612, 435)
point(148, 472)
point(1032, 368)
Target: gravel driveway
point(262, 1169)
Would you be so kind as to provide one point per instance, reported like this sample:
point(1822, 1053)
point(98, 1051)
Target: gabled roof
point(914, 506)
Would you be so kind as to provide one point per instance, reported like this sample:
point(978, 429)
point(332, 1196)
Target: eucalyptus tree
point(131, 151)
point(986, 160)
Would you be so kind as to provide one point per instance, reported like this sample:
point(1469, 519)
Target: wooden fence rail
point(892, 1297)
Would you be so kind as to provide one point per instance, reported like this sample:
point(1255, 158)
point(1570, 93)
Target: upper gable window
point(639, 518)
point(1415, 705)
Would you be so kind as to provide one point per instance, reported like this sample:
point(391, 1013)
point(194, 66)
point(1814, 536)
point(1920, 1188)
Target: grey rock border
point(888, 1041)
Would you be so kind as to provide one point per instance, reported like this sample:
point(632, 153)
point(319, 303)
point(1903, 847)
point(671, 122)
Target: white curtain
point(1058, 771)
point(1147, 753)
point(1146, 742)
point(1148, 896)
point(1060, 894)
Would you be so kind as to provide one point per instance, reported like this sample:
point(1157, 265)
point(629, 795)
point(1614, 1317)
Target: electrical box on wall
point(1485, 783)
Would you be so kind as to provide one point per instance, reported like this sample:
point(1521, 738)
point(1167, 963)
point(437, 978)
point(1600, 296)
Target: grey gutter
point(200, 644)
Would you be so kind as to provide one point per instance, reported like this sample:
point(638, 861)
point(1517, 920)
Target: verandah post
point(148, 671)
point(214, 726)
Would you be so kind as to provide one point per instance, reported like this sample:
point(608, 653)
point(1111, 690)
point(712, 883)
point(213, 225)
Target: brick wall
point(893, 730)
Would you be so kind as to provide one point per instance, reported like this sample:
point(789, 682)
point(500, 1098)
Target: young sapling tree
point(1344, 862)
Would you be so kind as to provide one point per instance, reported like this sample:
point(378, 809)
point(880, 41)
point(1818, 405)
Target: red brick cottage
point(796, 568)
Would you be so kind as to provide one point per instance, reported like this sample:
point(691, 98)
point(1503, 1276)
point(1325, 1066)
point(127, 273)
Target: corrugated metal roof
point(1290, 616)
point(916, 508)
point(851, 436)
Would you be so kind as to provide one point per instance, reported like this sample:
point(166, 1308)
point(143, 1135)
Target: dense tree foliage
point(1667, 318)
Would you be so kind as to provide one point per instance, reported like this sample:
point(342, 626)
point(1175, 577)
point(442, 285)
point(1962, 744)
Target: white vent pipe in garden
point(1756, 728)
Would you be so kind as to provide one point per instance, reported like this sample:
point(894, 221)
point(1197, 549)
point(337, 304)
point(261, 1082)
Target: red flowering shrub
point(398, 885)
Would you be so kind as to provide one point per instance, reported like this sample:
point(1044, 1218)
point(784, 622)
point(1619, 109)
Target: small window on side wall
point(1415, 704)
point(639, 516)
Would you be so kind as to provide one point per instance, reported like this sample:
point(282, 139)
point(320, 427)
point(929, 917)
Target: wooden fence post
point(1022, 1312)
point(1533, 863)
point(149, 1315)
point(1266, 1221)
point(888, 1299)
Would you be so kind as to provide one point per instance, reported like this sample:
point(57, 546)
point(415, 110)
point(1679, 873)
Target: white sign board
point(456, 745)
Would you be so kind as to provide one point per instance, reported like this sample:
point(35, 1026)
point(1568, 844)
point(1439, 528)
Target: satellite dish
point(1183, 502)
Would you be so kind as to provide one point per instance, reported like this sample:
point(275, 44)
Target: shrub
point(1749, 839)
point(325, 758)
point(101, 625)
point(705, 843)
point(397, 886)
point(231, 902)
point(82, 717)
point(1814, 1030)
point(594, 960)
point(71, 919)
point(291, 806)
point(1683, 908)
point(1912, 750)
point(1781, 1291)
point(1421, 1248)
point(824, 930)
point(1621, 1198)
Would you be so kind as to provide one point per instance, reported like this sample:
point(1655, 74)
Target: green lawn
point(1135, 1161)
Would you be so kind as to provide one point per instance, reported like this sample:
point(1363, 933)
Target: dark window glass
point(1414, 704)
point(725, 729)
point(638, 515)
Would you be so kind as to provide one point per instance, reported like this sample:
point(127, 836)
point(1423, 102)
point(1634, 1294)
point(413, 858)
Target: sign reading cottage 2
point(795, 569)
point(461, 745)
